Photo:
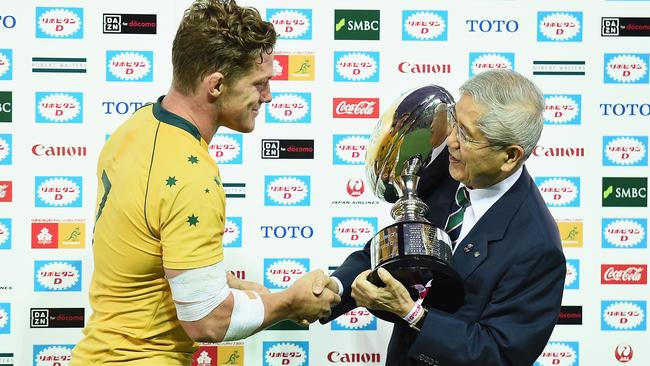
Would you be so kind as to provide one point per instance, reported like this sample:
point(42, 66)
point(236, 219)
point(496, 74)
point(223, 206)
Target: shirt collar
point(483, 198)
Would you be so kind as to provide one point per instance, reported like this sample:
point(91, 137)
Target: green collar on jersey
point(170, 118)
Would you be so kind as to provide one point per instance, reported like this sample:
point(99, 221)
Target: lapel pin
point(468, 248)
point(476, 254)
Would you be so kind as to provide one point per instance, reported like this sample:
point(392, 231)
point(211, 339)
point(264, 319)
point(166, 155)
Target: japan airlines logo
point(355, 108)
point(629, 68)
point(559, 354)
point(6, 64)
point(625, 150)
point(562, 109)
point(226, 148)
point(55, 276)
point(5, 149)
point(52, 354)
point(625, 233)
point(59, 22)
point(356, 66)
point(624, 274)
point(129, 66)
point(355, 187)
point(287, 190)
point(623, 315)
point(424, 25)
point(59, 107)
point(282, 273)
point(289, 108)
point(349, 149)
point(356, 319)
point(291, 24)
point(623, 353)
point(350, 232)
point(480, 61)
point(559, 26)
point(572, 280)
point(285, 353)
point(58, 191)
point(5, 318)
point(559, 192)
point(232, 232)
point(5, 233)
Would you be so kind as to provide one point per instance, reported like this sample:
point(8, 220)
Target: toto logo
point(355, 187)
point(421, 25)
point(57, 275)
point(625, 150)
point(226, 148)
point(291, 23)
point(129, 66)
point(562, 109)
point(285, 353)
point(59, 107)
point(559, 27)
point(356, 66)
point(52, 354)
point(623, 315)
point(287, 190)
point(623, 353)
point(560, 192)
point(624, 233)
point(291, 232)
point(282, 273)
point(289, 108)
point(626, 68)
point(479, 62)
point(356, 319)
point(558, 354)
point(59, 22)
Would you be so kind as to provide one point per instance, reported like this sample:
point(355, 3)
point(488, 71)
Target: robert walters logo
point(6, 64)
point(227, 148)
point(562, 109)
point(480, 61)
point(623, 315)
point(232, 232)
point(5, 233)
point(290, 190)
point(349, 149)
point(289, 108)
point(356, 319)
point(561, 68)
point(280, 273)
point(52, 354)
point(352, 232)
point(626, 68)
point(58, 191)
point(356, 24)
point(357, 66)
point(559, 26)
point(291, 24)
point(59, 107)
point(59, 22)
point(52, 276)
point(5, 318)
point(294, 67)
point(288, 353)
point(559, 354)
point(6, 149)
point(424, 25)
point(625, 233)
point(559, 192)
point(572, 281)
point(625, 192)
point(129, 66)
point(625, 150)
point(52, 234)
point(75, 65)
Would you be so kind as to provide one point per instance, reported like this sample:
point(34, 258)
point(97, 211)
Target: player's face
point(241, 100)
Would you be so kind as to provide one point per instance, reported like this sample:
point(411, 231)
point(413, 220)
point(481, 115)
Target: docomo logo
point(623, 315)
point(626, 68)
point(281, 232)
point(59, 22)
point(286, 354)
point(59, 191)
point(290, 23)
point(489, 61)
point(231, 232)
point(356, 108)
point(558, 354)
point(625, 150)
point(357, 358)
point(283, 273)
point(425, 25)
point(624, 233)
point(560, 191)
point(59, 107)
point(52, 355)
point(354, 232)
point(130, 65)
point(358, 318)
point(628, 274)
point(58, 276)
point(623, 353)
point(287, 190)
point(225, 148)
point(559, 26)
point(560, 109)
point(288, 107)
point(355, 187)
point(357, 66)
point(350, 149)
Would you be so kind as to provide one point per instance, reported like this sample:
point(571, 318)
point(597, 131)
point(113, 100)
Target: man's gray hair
point(513, 108)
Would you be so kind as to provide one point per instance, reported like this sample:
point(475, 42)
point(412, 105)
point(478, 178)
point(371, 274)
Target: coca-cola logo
point(634, 274)
point(623, 353)
point(355, 108)
point(355, 187)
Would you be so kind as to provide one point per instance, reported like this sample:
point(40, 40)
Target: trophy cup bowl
point(412, 250)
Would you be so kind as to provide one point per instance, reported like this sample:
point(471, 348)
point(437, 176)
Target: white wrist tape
point(247, 315)
point(414, 314)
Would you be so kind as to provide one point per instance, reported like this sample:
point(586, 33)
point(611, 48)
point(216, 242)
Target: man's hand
point(308, 306)
point(393, 298)
point(234, 282)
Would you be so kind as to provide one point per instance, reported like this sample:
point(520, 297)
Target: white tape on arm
point(247, 315)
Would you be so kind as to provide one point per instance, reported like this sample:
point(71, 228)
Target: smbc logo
point(625, 192)
point(356, 24)
point(5, 106)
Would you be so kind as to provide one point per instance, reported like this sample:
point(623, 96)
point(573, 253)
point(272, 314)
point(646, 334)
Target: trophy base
point(446, 293)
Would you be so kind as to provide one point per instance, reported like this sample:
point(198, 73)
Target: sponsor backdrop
point(297, 196)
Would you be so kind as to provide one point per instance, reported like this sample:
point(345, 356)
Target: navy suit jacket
point(513, 276)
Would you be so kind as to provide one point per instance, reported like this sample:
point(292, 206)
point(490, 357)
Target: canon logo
point(559, 152)
point(337, 357)
point(407, 67)
point(42, 150)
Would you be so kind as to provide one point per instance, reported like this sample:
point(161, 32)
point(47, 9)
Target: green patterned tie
point(455, 219)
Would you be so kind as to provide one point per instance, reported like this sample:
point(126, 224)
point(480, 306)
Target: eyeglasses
point(461, 134)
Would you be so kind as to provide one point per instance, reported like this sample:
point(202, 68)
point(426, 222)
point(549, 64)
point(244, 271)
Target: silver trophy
point(412, 250)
